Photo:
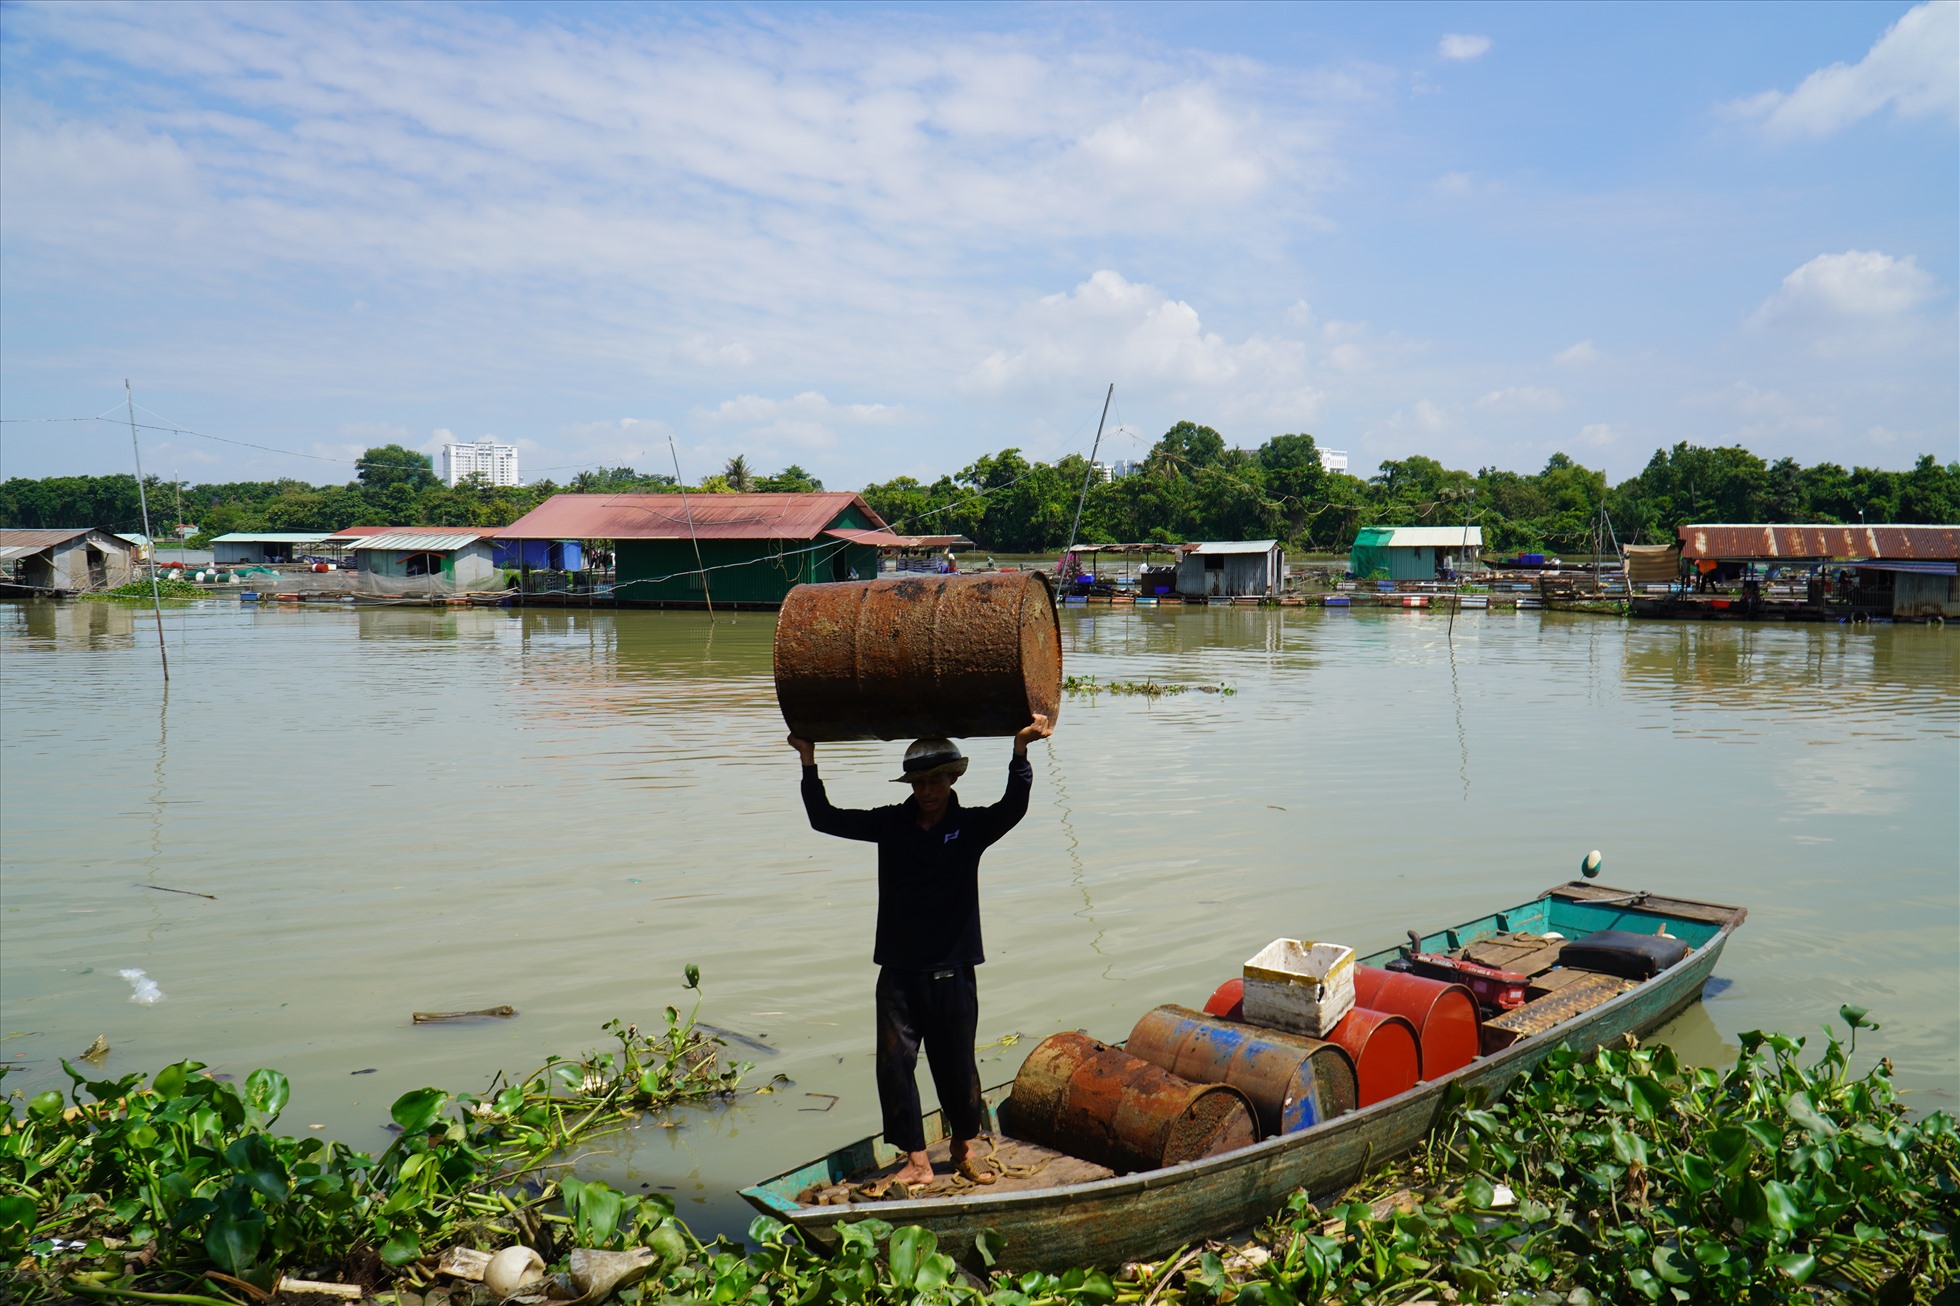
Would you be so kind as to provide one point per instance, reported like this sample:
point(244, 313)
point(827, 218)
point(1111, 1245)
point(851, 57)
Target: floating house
point(240, 548)
point(540, 555)
point(739, 550)
point(458, 556)
point(1413, 552)
point(1910, 572)
point(1231, 569)
point(64, 559)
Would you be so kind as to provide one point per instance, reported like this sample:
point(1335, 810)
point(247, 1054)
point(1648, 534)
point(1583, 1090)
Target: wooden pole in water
point(1086, 474)
point(699, 565)
point(142, 497)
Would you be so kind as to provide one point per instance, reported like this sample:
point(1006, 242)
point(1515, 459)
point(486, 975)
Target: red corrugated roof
point(20, 537)
point(666, 517)
point(1771, 541)
point(877, 539)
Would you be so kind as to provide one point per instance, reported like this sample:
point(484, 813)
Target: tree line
point(1190, 486)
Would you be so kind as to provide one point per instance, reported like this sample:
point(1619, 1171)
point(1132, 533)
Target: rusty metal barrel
point(1291, 1080)
point(1099, 1103)
point(904, 657)
point(1445, 1015)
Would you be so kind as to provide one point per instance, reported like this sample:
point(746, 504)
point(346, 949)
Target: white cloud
point(1463, 47)
point(1455, 183)
point(703, 351)
point(1522, 399)
point(1747, 400)
point(803, 422)
point(1856, 283)
point(1598, 435)
point(1910, 69)
point(1577, 355)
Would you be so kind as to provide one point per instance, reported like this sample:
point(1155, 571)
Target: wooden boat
point(1106, 1221)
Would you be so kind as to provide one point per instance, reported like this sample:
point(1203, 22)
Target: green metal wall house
point(754, 548)
point(1412, 552)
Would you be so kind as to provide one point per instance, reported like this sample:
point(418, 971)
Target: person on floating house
point(928, 936)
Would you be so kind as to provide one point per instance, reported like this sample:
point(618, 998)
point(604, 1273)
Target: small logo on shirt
point(949, 838)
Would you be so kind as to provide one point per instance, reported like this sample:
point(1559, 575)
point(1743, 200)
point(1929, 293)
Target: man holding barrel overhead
point(928, 937)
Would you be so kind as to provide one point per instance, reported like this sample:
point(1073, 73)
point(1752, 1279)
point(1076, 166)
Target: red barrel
point(904, 657)
point(1387, 1055)
point(1227, 1001)
point(1099, 1103)
point(1293, 1081)
point(1445, 1015)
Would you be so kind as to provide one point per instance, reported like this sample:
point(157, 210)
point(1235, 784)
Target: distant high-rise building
point(1333, 460)
point(497, 462)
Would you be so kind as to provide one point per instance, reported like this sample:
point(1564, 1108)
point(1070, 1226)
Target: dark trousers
point(941, 1009)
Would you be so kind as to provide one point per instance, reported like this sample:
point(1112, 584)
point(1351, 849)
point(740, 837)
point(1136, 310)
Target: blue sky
point(878, 240)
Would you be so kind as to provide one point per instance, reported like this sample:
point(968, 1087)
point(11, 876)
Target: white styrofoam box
point(1304, 988)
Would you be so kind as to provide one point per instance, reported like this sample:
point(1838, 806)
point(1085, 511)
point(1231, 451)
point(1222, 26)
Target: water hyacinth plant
point(1618, 1176)
point(129, 1186)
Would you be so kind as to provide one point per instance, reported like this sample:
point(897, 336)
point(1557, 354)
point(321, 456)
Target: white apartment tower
point(497, 462)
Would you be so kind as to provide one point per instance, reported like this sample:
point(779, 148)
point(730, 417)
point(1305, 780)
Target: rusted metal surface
point(903, 657)
point(1385, 1050)
point(1445, 1015)
point(701, 516)
point(1097, 1102)
point(1291, 1080)
point(1541, 1014)
point(1771, 543)
point(33, 541)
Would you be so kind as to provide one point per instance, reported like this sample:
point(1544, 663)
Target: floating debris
point(427, 1017)
point(147, 992)
point(1145, 688)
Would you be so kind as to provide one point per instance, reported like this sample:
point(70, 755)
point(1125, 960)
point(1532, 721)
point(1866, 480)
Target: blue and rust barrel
point(1292, 1081)
point(904, 657)
point(1097, 1102)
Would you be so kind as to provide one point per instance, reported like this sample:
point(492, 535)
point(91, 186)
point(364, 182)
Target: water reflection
point(88, 625)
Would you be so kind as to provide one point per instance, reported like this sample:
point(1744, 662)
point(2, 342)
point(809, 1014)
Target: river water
point(416, 809)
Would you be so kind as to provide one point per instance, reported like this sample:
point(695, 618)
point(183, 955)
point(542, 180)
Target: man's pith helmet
point(929, 757)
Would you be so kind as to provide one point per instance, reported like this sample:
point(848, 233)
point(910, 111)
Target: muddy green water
point(411, 809)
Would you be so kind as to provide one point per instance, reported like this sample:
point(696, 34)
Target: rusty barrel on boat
point(1099, 1103)
point(1291, 1080)
point(1445, 1015)
point(1387, 1055)
point(903, 657)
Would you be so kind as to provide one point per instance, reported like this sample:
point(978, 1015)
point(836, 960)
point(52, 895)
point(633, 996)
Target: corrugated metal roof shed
point(33, 541)
point(1772, 541)
point(877, 539)
point(1426, 537)
point(1231, 546)
point(270, 537)
point(433, 541)
point(665, 517)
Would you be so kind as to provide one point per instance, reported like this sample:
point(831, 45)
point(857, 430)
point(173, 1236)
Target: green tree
point(1929, 494)
point(740, 479)
point(1295, 479)
point(791, 480)
point(390, 465)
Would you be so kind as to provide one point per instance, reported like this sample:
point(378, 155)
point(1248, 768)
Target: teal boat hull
point(1152, 1214)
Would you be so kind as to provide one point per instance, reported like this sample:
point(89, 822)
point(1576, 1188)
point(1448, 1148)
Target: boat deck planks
point(1019, 1166)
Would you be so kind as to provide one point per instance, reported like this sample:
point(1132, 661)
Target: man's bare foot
point(917, 1170)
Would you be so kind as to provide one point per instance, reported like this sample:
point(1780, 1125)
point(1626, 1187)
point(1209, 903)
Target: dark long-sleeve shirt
point(928, 880)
